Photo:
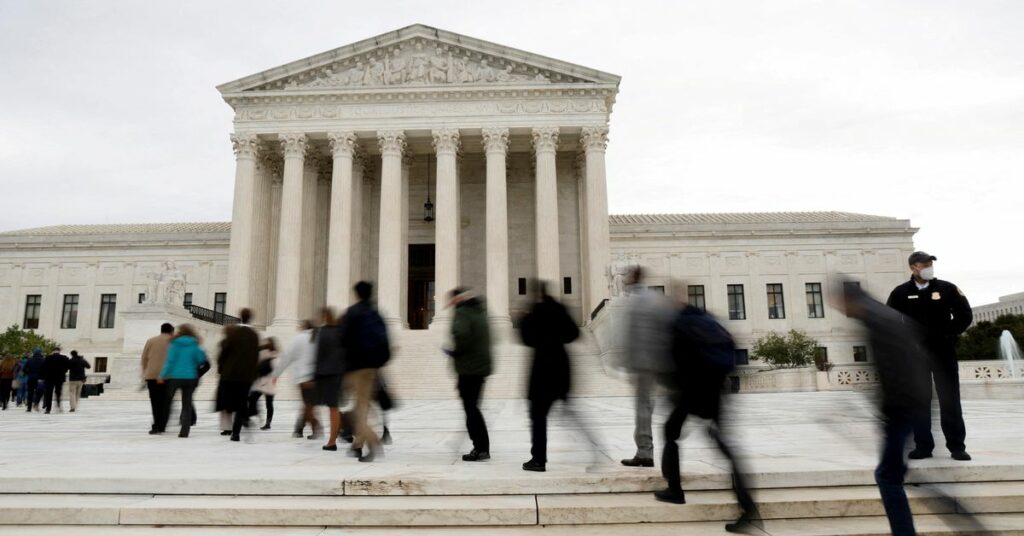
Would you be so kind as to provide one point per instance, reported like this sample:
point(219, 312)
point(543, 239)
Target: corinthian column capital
point(545, 139)
point(594, 138)
point(446, 140)
point(342, 143)
point(391, 142)
point(495, 140)
point(245, 145)
point(293, 143)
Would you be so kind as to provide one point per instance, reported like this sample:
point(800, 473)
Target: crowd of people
point(37, 381)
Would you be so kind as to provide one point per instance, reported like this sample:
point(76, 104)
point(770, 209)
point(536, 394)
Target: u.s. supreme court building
point(421, 160)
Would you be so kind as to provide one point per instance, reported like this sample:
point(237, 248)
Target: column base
point(282, 329)
point(501, 328)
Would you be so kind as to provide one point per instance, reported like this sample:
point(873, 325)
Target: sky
point(910, 109)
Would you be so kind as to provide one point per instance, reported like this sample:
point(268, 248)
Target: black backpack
point(706, 340)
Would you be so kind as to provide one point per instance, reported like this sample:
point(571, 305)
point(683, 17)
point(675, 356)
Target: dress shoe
point(182, 434)
point(72, 410)
point(265, 427)
point(155, 432)
point(743, 525)
point(330, 447)
point(225, 432)
point(385, 438)
point(534, 465)
point(346, 436)
point(372, 455)
point(297, 435)
point(960, 456)
point(354, 453)
point(918, 454)
point(476, 456)
point(670, 495)
point(235, 438)
point(637, 461)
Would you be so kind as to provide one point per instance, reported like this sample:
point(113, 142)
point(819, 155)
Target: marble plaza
point(810, 456)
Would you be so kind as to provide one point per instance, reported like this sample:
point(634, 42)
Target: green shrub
point(19, 342)
point(795, 349)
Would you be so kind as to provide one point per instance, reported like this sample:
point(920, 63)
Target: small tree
point(18, 342)
point(795, 349)
point(981, 341)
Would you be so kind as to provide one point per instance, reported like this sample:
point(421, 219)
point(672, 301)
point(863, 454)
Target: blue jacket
point(184, 356)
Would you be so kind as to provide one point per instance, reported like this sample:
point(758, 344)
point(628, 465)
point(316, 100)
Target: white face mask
point(927, 273)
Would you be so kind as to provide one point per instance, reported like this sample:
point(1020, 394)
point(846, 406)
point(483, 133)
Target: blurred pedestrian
point(154, 353)
point(301, 354)
point(180, 372)
point(33, 373)
point(7, 372)
point(55, 370)
point(703, 354)
point(471, 358)
point(943, 312)
point(645, 355)
point(902, 363)
point(237, 362)
point(367, 349)
point(76, 378)
point(21, 379)
point(266, 383)
point(330, 367)
point(546, 328)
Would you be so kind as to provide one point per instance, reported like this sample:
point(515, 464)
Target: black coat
point(239, 354)
point(330, 355)
point(76, 368)
point(547, 328)
point(34, 366)
point(696, 384)
point(941, 310)
point(55, 367)
point(364, 338)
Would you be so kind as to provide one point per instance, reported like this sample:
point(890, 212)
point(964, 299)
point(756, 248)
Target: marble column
point(359, 254)
point(289, 243)
point(495, 141)
point(594, 141)
point(246, 147)
point(545, 144)
point(389, 269)
point(446, 229)
point(404, 295)
point(339, 248)
point(263, 230)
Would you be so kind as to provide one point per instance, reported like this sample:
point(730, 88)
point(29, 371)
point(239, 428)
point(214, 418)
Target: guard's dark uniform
point(944, 313)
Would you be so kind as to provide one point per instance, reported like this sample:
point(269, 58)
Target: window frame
point(108, 311)
point(33, 304)
point(69, 312)
point(739, 297)
point(220, 302)
point(776, 301)
point(863, 351)
point(815, 300)
point(693, 297)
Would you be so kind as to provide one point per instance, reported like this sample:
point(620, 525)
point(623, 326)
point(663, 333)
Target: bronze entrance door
point(421, 285)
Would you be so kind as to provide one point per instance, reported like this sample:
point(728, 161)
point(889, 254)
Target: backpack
point(373, 340)
point(707, 341)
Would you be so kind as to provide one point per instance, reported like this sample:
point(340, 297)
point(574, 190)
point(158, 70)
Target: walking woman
point(266, 384)
point(181, 371)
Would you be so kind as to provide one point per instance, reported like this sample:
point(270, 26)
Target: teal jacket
point(184, 356)
point(472, 337)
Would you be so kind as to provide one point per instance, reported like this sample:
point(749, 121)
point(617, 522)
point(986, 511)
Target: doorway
point(421, 285)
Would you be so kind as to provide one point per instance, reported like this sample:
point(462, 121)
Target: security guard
point(943, 312)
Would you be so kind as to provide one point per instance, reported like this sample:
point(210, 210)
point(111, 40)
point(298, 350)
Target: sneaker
point(535, 466)
point(637, 461)
point(961, 456)
point(919, 454)
point(476, 456)
point(670, 495)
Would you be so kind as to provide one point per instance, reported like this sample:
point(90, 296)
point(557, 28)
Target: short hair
point(245, 315)
point(327, 315)
point(74, 353)
point(166, 327)
point(363, 290)
point(186, 330)
point(456, 291)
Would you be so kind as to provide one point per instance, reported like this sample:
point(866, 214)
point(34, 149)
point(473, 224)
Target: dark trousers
point(187, 388)
point(5, 391)
point(470, 389)
point(254, 397)
point(670, 455)
point(539, 410)
point(946, 372)
point(52, 388)
point(890, 472)
point(30, 393)
point(158, 403)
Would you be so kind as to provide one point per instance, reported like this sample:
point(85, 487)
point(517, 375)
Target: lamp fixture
point(428, 207)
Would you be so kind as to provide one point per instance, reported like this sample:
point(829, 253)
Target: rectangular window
point(188, 300)
point(737, 307)
point(742, 357)
point(860, 354)
point(776, 304)
point(815, 303)
point(220, 302)
point(32, 304)
point(142, 297)
point(69, 316)
point(108, 307)
point(522, 286)
point(695, 297)
point(100, 365)
point(821, 353)
point(566, 285)
point(660, 289)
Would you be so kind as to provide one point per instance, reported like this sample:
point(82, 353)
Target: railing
point(209, 315)
point(597, 309)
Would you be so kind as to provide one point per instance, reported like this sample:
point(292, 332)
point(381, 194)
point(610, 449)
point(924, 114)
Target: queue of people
point(38, 382)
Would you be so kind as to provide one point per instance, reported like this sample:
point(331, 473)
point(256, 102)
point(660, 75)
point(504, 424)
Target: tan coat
point(153, 356)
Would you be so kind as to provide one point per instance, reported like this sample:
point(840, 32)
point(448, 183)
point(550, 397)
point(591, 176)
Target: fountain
point(1010, 351)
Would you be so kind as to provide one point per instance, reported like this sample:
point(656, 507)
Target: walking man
point(237, 363)
point(367, 349)
point(943, 312)
point(471, 356)
point(33, 372)
point(154, 354)
point(55, 369)
point(76, 378)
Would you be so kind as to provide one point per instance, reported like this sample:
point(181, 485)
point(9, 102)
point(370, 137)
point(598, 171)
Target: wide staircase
point(975, 499)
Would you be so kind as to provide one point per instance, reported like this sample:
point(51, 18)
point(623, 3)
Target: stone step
point(927, 525)
point(495, 510)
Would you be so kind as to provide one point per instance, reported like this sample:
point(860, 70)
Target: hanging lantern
point(428, 207)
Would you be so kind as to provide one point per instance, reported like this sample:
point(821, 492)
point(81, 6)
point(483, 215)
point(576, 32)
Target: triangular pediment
point(418, 56)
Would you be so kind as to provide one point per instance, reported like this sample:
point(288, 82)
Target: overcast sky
point(108, 111)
